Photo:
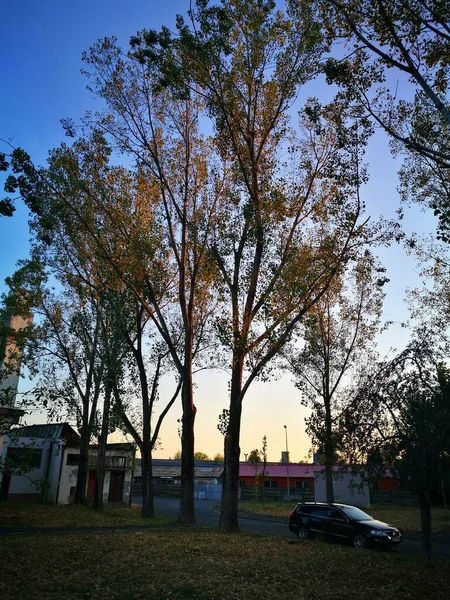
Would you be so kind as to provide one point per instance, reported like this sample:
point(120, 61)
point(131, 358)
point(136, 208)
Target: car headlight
point(377, 532)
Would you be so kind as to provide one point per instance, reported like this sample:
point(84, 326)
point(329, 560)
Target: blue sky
point(41, 45)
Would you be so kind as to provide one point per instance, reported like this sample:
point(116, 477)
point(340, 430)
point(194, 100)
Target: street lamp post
point(287, 464)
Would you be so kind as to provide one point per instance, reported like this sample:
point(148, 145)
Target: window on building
point(242, 483)
point(118, 461)
point(23, 459)
point(269, 483)
point(73, 460)
point(303, 484)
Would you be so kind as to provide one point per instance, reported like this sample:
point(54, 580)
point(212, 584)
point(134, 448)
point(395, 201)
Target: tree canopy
point(400, 420)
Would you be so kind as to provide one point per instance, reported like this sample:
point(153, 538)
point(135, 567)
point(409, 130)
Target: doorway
point(91, 486)
point(116, 482)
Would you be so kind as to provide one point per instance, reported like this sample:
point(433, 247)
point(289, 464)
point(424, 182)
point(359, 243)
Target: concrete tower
point(10, 362)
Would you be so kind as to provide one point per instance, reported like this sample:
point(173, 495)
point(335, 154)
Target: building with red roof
point(301, 475)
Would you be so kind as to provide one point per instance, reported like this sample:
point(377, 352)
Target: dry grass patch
point(270, 509)
point(206, 565)
point(24, 514)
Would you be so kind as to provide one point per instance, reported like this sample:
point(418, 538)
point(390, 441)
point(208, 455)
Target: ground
point(205, 565)
point(25, 514)
point(196, 563)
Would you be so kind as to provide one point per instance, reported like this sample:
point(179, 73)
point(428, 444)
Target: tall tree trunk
point(187, 509)
point(425, 522)
point(148, 507)
point(230, 487)
point(101, 453)
point(329, 453)
point(80, 490)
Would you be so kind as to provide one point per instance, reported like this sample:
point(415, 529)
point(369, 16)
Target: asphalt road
point(168, 507)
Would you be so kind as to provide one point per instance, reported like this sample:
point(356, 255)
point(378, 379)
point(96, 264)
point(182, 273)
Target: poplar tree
point(333, 352)
point(288, 227)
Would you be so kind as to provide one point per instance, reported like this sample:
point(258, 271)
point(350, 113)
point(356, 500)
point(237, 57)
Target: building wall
point(387, 484)
point(68, 479)
point(348, 488)
point(27, 486)
point(69, 474)
point(281, 482)
point(61, 477)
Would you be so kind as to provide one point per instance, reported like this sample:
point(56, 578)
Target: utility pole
point(287, 465)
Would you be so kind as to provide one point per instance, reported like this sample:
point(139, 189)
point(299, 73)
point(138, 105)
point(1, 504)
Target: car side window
point(319, 511)
point(304, 509)
point(332, 513)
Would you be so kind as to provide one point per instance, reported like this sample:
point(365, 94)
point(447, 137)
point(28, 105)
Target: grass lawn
point(407, 518)
point(200, 564)
point(71, 515)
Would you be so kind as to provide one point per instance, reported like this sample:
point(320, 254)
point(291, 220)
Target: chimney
point(284, 457)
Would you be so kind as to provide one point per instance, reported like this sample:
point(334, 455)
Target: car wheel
point(303, 533)
point(359, 541)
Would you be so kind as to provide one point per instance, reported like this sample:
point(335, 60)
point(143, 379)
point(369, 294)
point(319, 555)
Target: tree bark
point(329, 453)
point(230, 487)
point(425, 522)
point(80, 490)
point(187, 511)
point(148, 508)
point(101, 453)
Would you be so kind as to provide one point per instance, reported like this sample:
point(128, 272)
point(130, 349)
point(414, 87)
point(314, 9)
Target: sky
point(40, 82)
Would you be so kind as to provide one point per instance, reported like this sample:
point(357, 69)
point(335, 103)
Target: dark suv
point(342, 522)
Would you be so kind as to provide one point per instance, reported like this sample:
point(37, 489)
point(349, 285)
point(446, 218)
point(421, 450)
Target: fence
point(274, 494)
point(395, 497)
point(209, 491)
point(214, 492)
point(164, 491)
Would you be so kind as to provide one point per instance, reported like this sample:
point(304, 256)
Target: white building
point(118, 482)
point(348, 487)
point(40, 463)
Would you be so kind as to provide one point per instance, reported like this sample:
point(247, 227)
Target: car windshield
point(355, 513)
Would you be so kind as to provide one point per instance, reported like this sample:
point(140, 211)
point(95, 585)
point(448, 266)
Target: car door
point(316, 518)
point(336, 525)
